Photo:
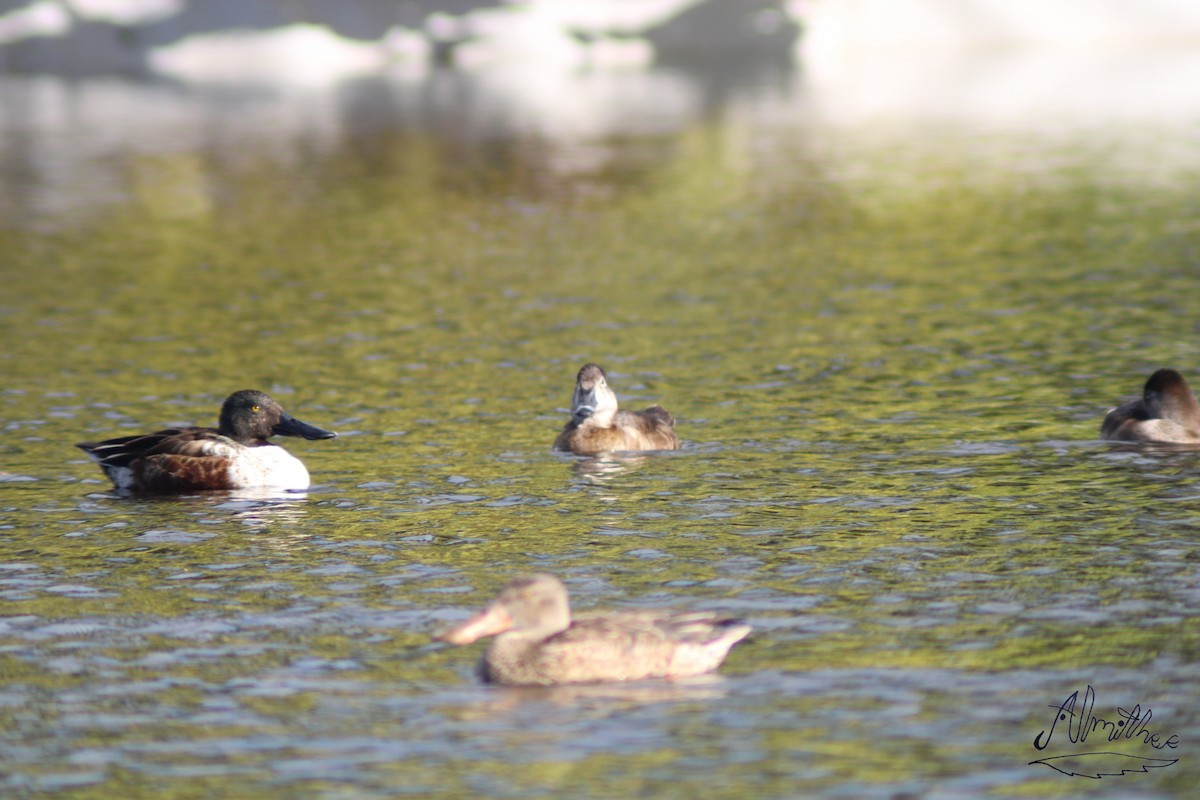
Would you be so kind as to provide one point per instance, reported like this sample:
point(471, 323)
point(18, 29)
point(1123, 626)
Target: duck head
point(1168, 397)
point(250, 415)
point(535, 607)
point(593, 398)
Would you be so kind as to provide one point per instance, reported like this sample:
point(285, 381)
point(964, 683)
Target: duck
point(234, 455)
point(598, 426)
point(1166, 413)
point(539, 643)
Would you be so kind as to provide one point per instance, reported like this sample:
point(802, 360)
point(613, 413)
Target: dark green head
point(250, 415)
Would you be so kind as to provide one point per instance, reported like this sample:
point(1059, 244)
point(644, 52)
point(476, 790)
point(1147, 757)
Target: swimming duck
point(597, 426)
point(234, 455)
point(1167, 412)
point(538, 643)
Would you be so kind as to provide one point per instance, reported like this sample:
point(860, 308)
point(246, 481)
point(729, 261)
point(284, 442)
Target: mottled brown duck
point(539, 643)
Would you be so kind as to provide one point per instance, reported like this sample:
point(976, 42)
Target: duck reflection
point(263, 507)
point(603, 468)
point(259, 507)
point(603, 698)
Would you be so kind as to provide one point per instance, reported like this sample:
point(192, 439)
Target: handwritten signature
point(1082, 721)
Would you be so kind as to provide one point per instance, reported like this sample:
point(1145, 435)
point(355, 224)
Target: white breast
point(268, 465)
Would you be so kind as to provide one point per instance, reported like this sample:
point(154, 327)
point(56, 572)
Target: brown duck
point(598, 426)
point(538, 643)
point(1167, 412)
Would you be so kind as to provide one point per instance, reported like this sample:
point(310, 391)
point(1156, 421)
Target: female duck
point(598, 426)
point(538, 643)
point(234, 455)
point(1167, 413)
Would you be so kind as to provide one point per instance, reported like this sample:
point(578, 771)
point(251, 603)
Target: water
point(889, 342)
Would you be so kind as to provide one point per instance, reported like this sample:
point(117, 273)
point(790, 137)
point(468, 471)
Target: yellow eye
point(255, 409)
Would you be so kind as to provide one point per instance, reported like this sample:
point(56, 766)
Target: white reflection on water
point(1026, 88)
point(64, 145)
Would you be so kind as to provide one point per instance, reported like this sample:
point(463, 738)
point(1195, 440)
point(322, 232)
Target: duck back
point(650, 429)
point(615, 646)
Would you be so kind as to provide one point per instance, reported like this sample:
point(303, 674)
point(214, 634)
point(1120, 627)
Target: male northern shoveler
point(234, 455)
point(539, 643)
point(597, 426)
point(1166, 413)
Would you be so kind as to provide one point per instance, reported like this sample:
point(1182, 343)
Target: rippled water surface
point(888, 341)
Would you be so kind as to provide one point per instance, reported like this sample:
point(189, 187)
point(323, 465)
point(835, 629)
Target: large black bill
point(290, 426)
